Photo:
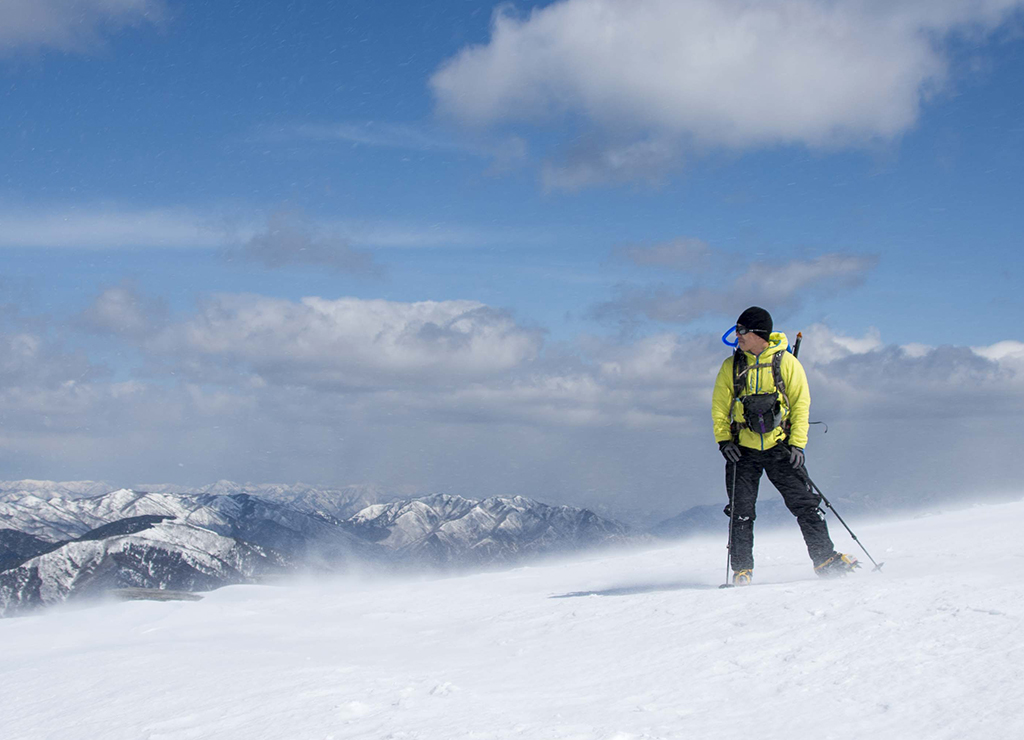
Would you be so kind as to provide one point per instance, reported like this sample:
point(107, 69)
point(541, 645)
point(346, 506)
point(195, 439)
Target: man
point(761, 426)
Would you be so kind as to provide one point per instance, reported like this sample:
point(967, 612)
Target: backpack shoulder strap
point(780, 386)
point(739, 385)
point(739, 373)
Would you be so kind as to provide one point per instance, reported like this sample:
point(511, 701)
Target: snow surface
point(612, 646)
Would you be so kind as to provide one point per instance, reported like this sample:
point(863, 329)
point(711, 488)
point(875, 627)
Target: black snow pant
point(800, 498)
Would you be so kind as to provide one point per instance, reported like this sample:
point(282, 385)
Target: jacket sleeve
point(799, 400)
point(721, 402)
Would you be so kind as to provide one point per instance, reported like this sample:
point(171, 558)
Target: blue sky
point(595, 174)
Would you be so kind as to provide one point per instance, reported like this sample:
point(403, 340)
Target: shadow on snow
point(638, 589)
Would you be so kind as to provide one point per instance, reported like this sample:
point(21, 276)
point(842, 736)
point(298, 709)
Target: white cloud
point(506, 152)
point(830, 345)
point(646, 80)
point(413, 137)
point(352, 343)
point(123, 310)
point(124, 226)
point(28, 357)
point(916, 349)
point(69, 25)
point(1009, 351)
point(379, 134)
point(293, 239)
point(784, 285)
point(107, 227)
point(397, 234)
point(773, 284)
point(726, 72)
point(646, 160)
point(687, 254)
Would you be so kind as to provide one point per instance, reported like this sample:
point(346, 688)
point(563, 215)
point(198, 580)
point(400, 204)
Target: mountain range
point(58, 542)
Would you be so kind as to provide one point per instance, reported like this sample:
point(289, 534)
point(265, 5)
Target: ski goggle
point(740, 331)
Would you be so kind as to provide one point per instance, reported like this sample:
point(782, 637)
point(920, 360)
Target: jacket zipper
point(757, 388)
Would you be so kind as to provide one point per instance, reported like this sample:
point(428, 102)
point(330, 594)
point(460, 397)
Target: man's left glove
point(796, 457)
point(730, 450)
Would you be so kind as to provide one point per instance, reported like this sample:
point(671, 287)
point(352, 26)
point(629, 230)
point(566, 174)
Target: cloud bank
point(460, 396)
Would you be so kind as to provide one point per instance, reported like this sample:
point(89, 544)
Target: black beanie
point(757, 320)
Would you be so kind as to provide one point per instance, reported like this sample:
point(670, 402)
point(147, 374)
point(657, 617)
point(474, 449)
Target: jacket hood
point(777, 342)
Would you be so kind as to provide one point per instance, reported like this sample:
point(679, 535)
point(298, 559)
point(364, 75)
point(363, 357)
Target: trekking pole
point(878, 566)
point(812, 484)
point(732, 513)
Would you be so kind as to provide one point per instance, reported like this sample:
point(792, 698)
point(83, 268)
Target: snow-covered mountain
point(54, 548)
point(17, 547)
point(337, 503)
point(57, 518)
point(446, 529)
point(141, 552)
point(237, 515)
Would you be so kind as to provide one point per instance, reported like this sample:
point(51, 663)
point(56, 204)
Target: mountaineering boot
point(742, 577)
point(837, 565)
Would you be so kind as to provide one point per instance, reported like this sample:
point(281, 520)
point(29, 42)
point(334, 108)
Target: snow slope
point(614, 646)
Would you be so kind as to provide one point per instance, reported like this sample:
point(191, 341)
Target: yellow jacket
point(761, 381)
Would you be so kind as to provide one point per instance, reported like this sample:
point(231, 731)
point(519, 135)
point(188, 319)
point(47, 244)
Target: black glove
point(730, 450)
point(796, 457)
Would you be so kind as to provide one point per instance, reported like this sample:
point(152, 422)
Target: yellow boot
point(742, 577)
point(837, 565)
